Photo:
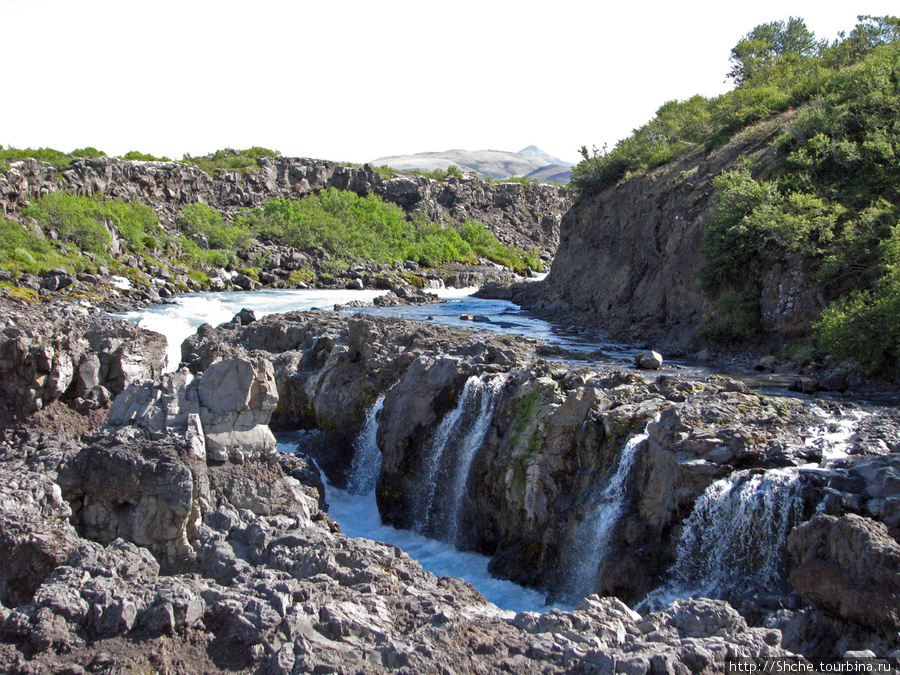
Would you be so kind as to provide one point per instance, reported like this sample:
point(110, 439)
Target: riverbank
point(175, 538)
point(555, 435)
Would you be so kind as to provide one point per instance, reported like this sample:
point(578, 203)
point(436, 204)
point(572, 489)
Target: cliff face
point(526, 216)
point(629, 257)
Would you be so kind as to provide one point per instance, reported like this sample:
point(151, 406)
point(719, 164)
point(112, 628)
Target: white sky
point(356, 80)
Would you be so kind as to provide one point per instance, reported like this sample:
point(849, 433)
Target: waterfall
point(734, 539)
point(471, 441)
point(366, 463)
point(591, 544)
point(449, 458)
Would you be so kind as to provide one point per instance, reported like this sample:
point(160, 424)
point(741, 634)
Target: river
point(358, 513)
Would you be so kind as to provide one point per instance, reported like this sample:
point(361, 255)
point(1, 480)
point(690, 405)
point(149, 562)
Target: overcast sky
point(354, 81)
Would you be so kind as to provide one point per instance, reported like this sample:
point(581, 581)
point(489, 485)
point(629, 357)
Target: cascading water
point(469, 444)
point(366, 464)
point(450, 455)
point(592, 541)
point(734, 539)
point(358, 516)
point(832, 436)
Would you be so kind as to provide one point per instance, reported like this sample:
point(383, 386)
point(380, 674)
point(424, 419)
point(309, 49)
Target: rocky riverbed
point(149, 524)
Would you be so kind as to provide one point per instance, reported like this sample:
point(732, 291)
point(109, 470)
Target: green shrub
point(437, 244)
point(341, 222)
point(735, 317)
point(135, 156)
point(485, 244)
point(198, 218)
point(864, 326)
point(231, 160)
point(88, 152)
point(777, 66)
point(77, 220)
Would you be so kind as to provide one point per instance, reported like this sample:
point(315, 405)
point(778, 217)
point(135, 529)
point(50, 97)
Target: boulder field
point(175, 538)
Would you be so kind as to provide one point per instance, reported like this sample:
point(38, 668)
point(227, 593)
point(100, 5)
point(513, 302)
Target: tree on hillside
point(869, 33)
point(768, 43)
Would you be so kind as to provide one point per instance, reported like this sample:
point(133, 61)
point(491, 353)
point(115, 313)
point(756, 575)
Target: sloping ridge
point(629, 257)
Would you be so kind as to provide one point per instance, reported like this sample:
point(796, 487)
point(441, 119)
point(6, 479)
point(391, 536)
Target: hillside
point(280, 222)
point(492, 163)
point(764, 216)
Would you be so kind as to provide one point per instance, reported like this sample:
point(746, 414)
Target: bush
point(777, 66)
point(864, 326)
point(231, 160)
point(77, 220)
point(341, 222)
point(486, 245)
point(21, 250)
point(136, 156)
point(198, 218)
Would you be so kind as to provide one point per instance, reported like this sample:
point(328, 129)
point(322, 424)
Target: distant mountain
point(493, 163)
point(534, 151)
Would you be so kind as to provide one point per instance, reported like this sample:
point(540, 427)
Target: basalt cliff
point(525, 216)
point(629, 257)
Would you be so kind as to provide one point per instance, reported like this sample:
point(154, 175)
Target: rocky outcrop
point(524, 216)
point(848, 567)
point(329, 370)
point(629, 256)
point(551, 449)
point(164, 558)
point(36, 536)
point(84, 360)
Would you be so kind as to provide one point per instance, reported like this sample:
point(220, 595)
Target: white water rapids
point(738, 509)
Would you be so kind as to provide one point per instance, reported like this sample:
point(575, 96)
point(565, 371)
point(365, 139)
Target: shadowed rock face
point(629, 257)
point(848, 566)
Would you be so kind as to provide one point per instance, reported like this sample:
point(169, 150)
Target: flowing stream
point(357, 512)
point(449, 458)
point(734, 539)
point(735, 534)
point(180, 319)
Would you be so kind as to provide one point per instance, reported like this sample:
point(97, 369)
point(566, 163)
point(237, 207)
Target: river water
point(180, 319)
point(358, 513)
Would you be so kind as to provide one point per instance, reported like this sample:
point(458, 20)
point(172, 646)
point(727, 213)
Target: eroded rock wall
point(629, 257)
point(525, 216)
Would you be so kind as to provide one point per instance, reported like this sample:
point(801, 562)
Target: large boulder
point(35, 533)
point(149, 493)
point(848, 566)
point(224, 413)
point(236, 398)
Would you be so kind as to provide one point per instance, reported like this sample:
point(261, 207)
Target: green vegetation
point(830, 198)
point(440, 174)
point(777, 66)
point(350, 227)
point(200, 219)
point(486, 245)
point(136, 156)
point(231, 160)
point(78, 220)
point(23, 250)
